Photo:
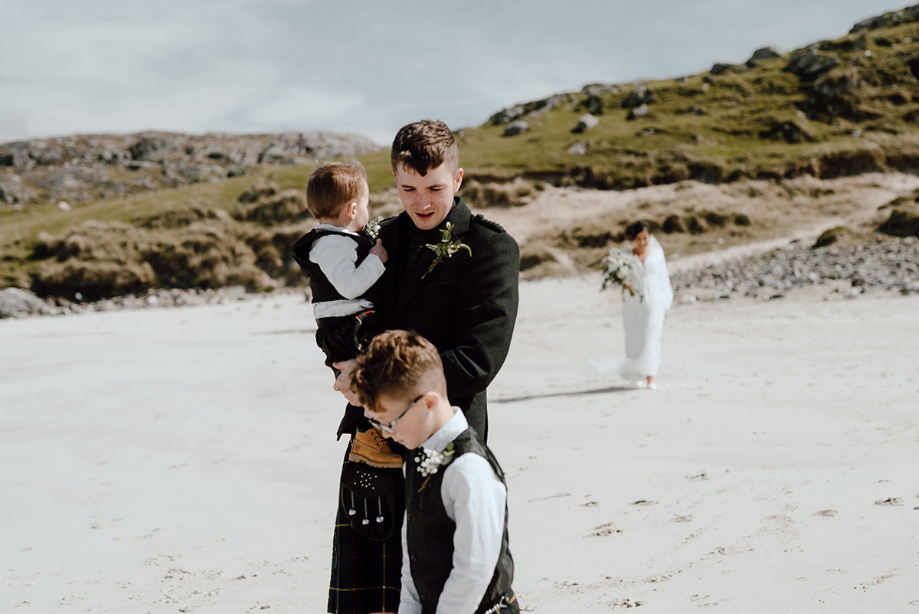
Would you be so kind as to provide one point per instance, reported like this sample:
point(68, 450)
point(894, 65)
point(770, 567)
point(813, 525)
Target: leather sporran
point(368, 497)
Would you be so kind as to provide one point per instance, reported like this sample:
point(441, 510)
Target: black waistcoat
point(430, 531)
point(320, 286)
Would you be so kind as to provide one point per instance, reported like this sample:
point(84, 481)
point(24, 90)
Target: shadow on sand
point(574, 393)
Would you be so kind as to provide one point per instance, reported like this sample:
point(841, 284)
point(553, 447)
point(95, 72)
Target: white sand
point(184, 460)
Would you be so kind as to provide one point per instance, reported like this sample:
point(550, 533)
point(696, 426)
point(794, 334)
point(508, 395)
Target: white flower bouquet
point(620, 268)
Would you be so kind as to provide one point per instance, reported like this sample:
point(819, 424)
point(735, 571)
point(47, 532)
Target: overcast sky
point(91, 66)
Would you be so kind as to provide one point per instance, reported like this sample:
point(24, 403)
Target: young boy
point(342, 265)
point(456, 558)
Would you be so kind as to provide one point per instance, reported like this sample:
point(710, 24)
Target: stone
point(639, 111)
point(586, 122)
point(765, 53)
point(11, 190)
point(640, 95)
point(578, 149)
point(721, 68)
point(15, 303)
point(516, 127)
point(808, 64)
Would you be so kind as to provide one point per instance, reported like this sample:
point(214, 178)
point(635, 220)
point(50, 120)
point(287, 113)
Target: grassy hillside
point(837, 108)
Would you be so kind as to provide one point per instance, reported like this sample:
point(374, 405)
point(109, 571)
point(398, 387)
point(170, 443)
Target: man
point(462, 297)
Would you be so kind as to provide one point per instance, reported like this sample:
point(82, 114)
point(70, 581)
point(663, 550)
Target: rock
point(901, 223)
point(17, 155)
point(63, 206)
point(592, 104)
point(586, 122)
point(765, 53)
point(640, 95)
point(808, 64)
point(578, 149)
point(11, 190)
point(506, 116)
point(152, 148)
point(15, 302)
point(516, 127)
point(720, 68)
point(887, 20)
point(639, 111)
point(597, 89)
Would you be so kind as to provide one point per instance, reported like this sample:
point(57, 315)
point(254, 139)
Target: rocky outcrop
point(15, 303)
point(639, 95)
point(808, 63)
point(891, 265)
point(87, 167)
point(892, 18)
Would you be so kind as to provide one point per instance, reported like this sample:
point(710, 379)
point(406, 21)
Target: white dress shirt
point(336, 257)
point(474, 499)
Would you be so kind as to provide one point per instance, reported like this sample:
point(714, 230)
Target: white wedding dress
point(643, 318)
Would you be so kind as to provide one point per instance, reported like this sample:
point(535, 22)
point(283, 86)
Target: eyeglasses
point(391, 427)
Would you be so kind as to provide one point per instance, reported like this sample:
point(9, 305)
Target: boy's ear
point(458, 179)
point(352, 210)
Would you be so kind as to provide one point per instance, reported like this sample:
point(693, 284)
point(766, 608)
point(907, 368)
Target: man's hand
point(343, 382)
point(379, 251)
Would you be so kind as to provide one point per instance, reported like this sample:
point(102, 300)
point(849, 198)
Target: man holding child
point(461, 295)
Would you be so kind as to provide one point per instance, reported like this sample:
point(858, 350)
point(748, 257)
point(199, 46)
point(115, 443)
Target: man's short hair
point(423, 146)
point(334, 185)
point(399, 364)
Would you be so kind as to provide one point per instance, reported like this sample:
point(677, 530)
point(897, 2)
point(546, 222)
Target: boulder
point(516, 127)
point(11, 190)
point(597, 89)
point(808, 64)
point(15, 303)
point(639, 111)
point(585, 123)
point(640, 95)
point(721, 68)
point(578, 149)
point(765, 53)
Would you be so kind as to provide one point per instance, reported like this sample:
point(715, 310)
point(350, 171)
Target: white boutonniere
point(445, 248)
point(372, 229)
point(430, 462)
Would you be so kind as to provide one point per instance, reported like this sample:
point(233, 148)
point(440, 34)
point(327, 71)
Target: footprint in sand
point(604, 529)
point(826, 513)
point(643, 502)
point(889, 501)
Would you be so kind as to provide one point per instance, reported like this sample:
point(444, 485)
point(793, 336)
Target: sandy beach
point(184, 460)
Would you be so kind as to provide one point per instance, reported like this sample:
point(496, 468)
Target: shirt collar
point(448, 432)
point(335, 228)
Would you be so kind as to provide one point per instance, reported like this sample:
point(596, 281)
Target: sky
point(369, 67)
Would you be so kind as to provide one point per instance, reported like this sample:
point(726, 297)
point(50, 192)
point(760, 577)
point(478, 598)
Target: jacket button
point(414, 558)
point(422, 596)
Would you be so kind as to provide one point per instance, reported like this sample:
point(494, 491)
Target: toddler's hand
point(379, 251)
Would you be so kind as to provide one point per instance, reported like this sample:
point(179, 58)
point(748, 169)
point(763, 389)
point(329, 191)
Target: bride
point(643, 313)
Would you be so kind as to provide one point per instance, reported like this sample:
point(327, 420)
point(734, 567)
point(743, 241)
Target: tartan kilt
point(366, 575)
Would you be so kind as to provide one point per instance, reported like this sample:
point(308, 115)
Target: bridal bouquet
point(620, 268)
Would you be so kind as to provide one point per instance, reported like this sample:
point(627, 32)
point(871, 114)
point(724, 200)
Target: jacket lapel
point(459, 216)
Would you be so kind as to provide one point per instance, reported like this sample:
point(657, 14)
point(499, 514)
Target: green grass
point(728, 138)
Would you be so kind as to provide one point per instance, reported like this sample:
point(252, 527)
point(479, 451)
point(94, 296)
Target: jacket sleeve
point(485, 314)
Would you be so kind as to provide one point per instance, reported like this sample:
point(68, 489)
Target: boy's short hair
point(423, 146)
point(398, 363)
point(334, 185)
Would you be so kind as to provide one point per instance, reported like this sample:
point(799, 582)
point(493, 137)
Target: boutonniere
point(372, 228)
point(445, 248)
point(430, 462)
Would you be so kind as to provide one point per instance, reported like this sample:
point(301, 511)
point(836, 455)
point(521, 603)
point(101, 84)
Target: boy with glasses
point(456, 558)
